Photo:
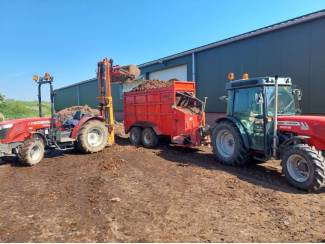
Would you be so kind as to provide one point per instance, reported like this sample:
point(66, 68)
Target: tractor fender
point(39, 135)
point(292, 140)
point(146, 124)
point(84, 120)
point(240, 128)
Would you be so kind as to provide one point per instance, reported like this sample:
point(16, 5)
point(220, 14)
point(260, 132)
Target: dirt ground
point(129, 194)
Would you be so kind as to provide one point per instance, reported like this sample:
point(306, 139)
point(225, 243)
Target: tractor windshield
point(286, 105)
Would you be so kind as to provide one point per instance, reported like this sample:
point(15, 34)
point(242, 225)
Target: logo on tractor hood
point(40, 122)
point(302, 125)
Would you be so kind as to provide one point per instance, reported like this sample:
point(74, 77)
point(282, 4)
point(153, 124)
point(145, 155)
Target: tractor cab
point(252, 103)
point(263, 122)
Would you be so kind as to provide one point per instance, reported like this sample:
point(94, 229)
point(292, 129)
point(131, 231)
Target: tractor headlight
point(5, 126)
point(4, 129)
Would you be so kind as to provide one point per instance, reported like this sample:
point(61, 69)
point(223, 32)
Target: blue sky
point(67, 38)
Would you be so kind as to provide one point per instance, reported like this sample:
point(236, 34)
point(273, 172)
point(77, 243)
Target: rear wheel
point(304, 167)
point(92, 137)
point(149, 138)
point(228, 145)
point(31, 152)
point(135, 136)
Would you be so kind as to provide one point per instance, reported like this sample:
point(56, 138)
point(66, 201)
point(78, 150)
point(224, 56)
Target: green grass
point(13, 109)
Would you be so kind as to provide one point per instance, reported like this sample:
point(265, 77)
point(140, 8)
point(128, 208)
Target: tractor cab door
point(248, 108)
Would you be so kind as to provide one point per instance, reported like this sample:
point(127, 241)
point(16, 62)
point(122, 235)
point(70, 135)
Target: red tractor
point(263, 121)
point(28, 138)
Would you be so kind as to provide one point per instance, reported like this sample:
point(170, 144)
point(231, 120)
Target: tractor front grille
point(3, 133)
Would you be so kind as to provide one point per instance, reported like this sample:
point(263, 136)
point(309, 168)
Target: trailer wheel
point(31, 152)
point(92, 137)
point(228, 145)
point(304, 167)
point(135, 136)
point(149, 138)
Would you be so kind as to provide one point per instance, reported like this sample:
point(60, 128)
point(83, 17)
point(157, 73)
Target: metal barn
point(294, 48)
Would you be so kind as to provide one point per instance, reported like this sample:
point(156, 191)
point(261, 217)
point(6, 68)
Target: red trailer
point(173, 112)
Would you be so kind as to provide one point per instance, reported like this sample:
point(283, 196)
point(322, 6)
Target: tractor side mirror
point(259, 98)
point(223, 98)
point(297, 99)
point(298, 94)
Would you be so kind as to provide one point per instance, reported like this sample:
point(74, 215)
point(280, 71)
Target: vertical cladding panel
point(88, 93)
point(317, 67)
point(296, 59)
point(297, 51)
point(117, 94)
point(66, 97)
point(213, 66)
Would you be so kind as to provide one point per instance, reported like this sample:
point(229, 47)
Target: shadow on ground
point(267, 175)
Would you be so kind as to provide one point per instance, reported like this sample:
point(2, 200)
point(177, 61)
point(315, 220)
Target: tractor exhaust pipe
point(275, 124)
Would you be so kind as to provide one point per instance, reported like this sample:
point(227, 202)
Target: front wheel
point(304, 167)
point(31, 152)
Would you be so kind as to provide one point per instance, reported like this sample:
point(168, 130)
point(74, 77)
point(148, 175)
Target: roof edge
point(75, 84)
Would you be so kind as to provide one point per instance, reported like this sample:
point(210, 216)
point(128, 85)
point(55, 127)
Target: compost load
point(68, 113)
point(152, 84)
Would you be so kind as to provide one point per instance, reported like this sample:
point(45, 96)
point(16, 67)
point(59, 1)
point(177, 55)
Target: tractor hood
point(17, 130)
point(306, 125)
point(25, 120)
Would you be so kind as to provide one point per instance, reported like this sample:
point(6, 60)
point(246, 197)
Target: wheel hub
point(95, 137)
point(147, 138)
point(225, 142)
point(298, 168)
point(35, 153)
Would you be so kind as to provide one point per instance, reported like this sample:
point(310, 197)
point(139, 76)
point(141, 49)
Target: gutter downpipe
point(193, 67)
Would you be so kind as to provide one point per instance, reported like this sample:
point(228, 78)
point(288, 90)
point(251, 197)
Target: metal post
point(275, 124)
point(52, 106)
point(40, 100)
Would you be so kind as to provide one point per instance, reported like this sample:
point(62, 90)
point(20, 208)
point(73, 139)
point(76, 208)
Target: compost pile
point(119, 129)
point(68, 113)
point(152, 84)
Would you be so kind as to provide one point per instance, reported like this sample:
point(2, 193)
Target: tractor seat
point(77, 115)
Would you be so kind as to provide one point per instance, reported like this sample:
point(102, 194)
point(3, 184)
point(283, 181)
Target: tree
point(2, 98)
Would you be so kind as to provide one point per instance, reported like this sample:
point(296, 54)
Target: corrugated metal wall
point(297, 51)
point(85, 93)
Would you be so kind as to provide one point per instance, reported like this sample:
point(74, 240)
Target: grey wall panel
point(88, 93)
point(297, 51)
point(85, 93)
point(317, 67)
point(117, 97)
point(65, 98)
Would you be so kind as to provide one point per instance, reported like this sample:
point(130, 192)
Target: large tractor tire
point(228, 145)
point(149, 138)
point(135, 136)
point(304, 167)
point(31, 152)
point(92, 137)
